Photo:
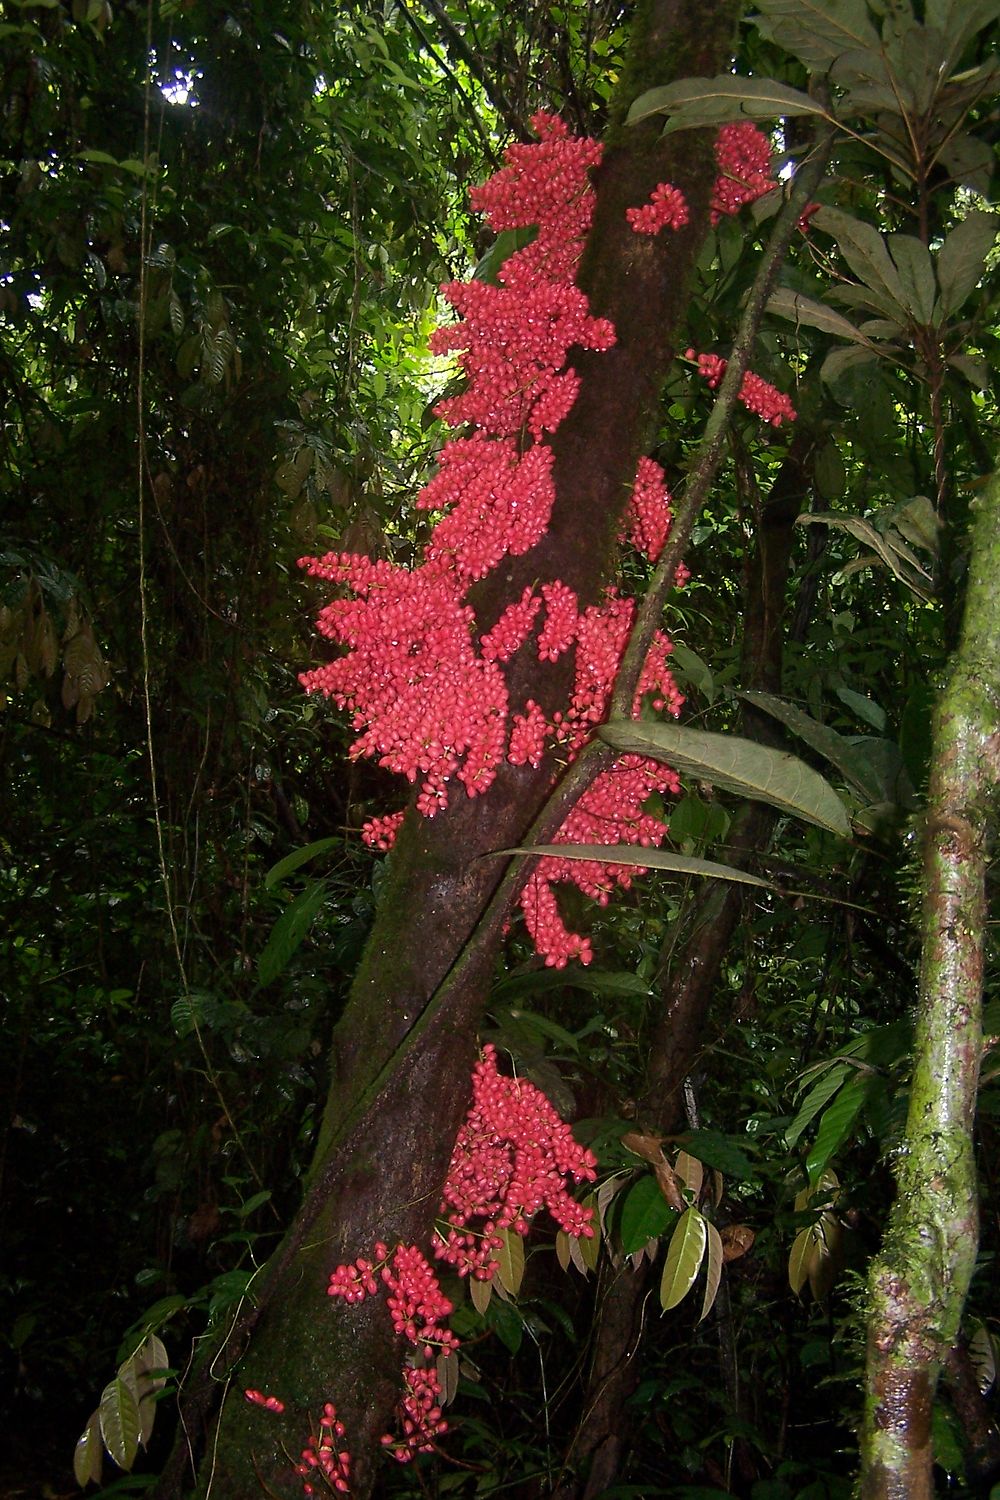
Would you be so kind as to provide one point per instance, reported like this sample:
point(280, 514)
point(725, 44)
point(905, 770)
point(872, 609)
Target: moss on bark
point(919, 1282)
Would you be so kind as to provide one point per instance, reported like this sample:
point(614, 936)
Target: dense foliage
point(223, 233)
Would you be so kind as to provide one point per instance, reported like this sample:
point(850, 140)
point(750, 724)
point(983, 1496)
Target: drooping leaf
point(719, 1151)
point(647, 859)
point(510, 1259)
point(714, 1259)
point(119, 1419)
point(975, 371)
point(912, 260)
point(799, 309)
point(816, 1099)
point(690, 1171)
point(961, 261)
point(865, 251)
point(88, 1456)
point(715, 101)
point(799, 1259)
point(837, 1124)
point(816, 31)
point(297, 858)
point(736, 765)
point(481, 1293)
point(289, 931)
point(684, 1257)
point(850, 759)
point(826, 1255)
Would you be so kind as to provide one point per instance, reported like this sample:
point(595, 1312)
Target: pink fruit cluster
point(418, 1309)
point(323, 1456)
point(743, 156)
point(513, 1157)
point(666, 209)
point(428, 699)
point(757, 395)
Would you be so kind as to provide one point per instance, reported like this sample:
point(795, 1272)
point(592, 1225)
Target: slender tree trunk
point(919, 1282)
point(403, 1051)
point(686, 983)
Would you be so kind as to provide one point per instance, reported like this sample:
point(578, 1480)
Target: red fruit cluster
point(322, 1456)
point(513, 1156)
point(428, 700)
point(757, 395)
point(269, 1403)
point(743, 155)
point(667, 209)
point(418, 1309)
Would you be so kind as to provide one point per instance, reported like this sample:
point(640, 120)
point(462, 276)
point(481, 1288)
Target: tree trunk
point(919, 1282)
point(687, 982)
point(404, 1049)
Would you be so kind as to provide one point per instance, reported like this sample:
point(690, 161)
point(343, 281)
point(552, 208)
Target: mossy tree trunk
point(919, 1282)
point(404, 1049)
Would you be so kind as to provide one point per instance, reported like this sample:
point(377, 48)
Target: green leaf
point(252, 1204)
point(481, 1293)
point(788, 304)
point(694, 669)
point(713, 1269)
point(715, 101)
point(510, 1257)
point(976, 371)
point(718, 1151)
point(88, 1456)
point(297, 858)
point(816, 31)
point(289, 931)
point(867, 711)
point(646, 859)
point(837, 1124)
point(684, 1256)
point(850, 759)
point(801, 1257)
point(864, 250)
point(912, 260)
point(819, 1095)
point(119, 1419)
point(595, 981)
point(961, 261)
point(504, 246)
point(645, 1214)
point(736, 765)
point(839, 360)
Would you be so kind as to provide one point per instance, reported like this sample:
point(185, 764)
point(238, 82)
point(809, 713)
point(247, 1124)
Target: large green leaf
point(119, 1418)
point(912, 260)
point(289, 931)
point(715, 101)
point(298, 857)
point(88, 1456)
point(850, 759)
point(837, 1123)
point(961, 261)
point(865, 251)
point(736, 765)
point(684, 1257)
point(789, 304)
point(647, 859)
point(713, 1269)
point(645, 1214)
point(816, 31)
point(510, 1261)
point(819, 1095)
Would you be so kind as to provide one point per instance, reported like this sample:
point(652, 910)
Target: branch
point(710, 450)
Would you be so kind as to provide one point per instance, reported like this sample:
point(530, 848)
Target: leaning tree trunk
point(919, 1282)
point(686, 984)
point(404, 1048)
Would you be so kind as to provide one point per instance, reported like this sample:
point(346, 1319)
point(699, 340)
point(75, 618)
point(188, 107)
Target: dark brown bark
point(403, 1051)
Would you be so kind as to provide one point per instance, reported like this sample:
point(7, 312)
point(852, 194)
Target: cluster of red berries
point(324, 1455)
point(513, 1156)
point(757, 395)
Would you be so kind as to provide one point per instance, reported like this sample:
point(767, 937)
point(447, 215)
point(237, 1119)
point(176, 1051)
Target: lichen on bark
point(920, 1280)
